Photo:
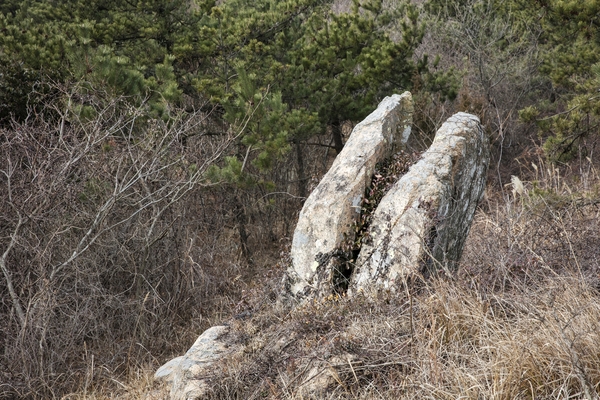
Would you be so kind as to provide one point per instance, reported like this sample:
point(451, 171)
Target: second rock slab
point(422, 223)
point(188, 374)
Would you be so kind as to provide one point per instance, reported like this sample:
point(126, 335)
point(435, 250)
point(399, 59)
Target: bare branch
point(13, 240)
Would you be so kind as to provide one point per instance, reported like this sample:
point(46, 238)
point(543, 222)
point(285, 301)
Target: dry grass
point(521, 319)
point(540, 343)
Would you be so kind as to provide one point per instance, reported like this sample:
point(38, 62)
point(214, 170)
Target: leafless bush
point(497, 56)
point(115, 249)
point(105, 239)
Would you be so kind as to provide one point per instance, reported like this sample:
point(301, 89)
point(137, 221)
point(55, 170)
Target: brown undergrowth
point(535, 342)
point(521, 320)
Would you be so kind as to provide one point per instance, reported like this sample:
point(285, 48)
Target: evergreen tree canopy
point(308, 68)
point(572, 62)
point(324, 68)
point(565, 105)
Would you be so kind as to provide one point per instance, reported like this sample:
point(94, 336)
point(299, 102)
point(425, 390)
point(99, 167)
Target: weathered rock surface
point(188, 374)
point(329, 212)
point(422, 223)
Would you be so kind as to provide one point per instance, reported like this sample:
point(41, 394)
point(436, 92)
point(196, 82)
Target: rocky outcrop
point(330, 211)
point(419, 226)
point(422, 223)
point(188, 374)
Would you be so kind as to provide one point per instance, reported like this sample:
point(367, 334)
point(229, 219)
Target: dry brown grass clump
point(520, 320)
point(456, 341)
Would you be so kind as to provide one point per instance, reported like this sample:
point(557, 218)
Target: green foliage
point(565, 129)
point(571, 56)
point(259, 114)
point(286, 71)
point(548, 51)
point(277, 71)
point(129, 49)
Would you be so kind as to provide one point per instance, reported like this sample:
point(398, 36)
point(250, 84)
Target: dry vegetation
point(116, 249)
point(117, 253)
point(520, 320)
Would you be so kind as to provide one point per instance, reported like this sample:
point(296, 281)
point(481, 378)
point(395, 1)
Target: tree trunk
point(241, 221)
point(338, 142)
point(301, 174)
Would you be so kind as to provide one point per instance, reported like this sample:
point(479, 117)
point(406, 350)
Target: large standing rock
point(329, 212)
point(421, 224)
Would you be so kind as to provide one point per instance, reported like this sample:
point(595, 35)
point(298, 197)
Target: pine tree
point(324, 68)
point(572, 62)
point(127, 47)
point(312, 69)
